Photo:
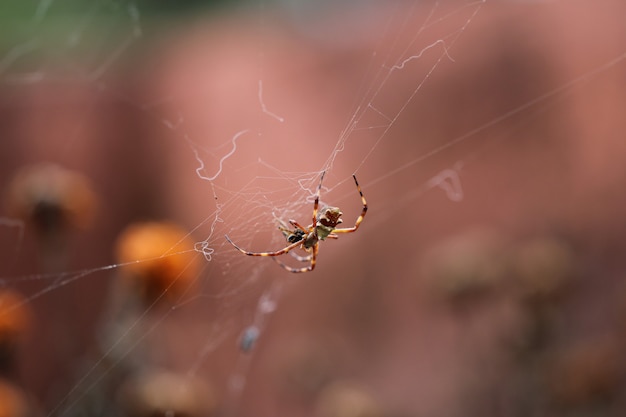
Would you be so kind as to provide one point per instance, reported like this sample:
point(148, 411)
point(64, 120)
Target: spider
point(323, 226)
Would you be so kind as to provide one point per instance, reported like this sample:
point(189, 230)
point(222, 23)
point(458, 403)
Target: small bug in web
point(323, 226)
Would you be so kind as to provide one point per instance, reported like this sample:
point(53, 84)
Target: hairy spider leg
point(299, 226)
point(361, 216)
point(307, 258)
point(316, 204)
point(299, 258)
point(308, 268)
point(276, 253)
point(285, 230)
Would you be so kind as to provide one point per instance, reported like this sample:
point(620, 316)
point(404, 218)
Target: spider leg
point(299, 258)
point(276, 253)
point(310, 267)
point(296, 257)
point(317, 203)
point(298, 226)
point(360, 218)
point(282, 226)
point(284, 230)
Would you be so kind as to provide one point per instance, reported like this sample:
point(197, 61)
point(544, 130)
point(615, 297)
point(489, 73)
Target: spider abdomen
point(296, 236)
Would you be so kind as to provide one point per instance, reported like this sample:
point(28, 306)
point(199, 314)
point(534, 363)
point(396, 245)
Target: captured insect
point(323, 226)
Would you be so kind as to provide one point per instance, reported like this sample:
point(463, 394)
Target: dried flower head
point(467, 266)
point(51, 198)
point(159, 260)
point(13, 402)
point(161, 394)
point(543, 268)
point(15, 315)
point(343, 399)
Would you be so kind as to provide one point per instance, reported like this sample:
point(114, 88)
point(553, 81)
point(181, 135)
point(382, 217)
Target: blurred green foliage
point(29, 10)
point(19, 16)
point(33, 32)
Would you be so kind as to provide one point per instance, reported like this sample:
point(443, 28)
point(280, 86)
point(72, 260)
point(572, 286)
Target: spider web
point(225, 123)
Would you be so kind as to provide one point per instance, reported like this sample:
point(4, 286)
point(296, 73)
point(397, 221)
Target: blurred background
point(486, 279)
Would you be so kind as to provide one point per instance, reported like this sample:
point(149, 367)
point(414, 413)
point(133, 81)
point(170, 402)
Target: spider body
point(323, 226)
